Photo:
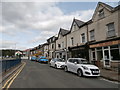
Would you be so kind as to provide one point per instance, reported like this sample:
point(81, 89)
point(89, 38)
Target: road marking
point(10, 79)
point(115, 82)
point(16, 76)
point(13, 77)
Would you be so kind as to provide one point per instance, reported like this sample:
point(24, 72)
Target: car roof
point(42, 57)
point(57, 58)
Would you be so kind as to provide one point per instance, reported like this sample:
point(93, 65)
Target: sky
point(28, 24)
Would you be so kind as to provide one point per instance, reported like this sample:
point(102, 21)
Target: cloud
point(113, 4)
point(39, 21)
point(7, 44)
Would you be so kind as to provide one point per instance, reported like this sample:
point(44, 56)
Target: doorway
point(106, 56)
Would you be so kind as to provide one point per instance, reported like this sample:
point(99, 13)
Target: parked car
point(37, 59)
point(81, 67)
point(33, 58)
point(57, 63)
point(43, 59)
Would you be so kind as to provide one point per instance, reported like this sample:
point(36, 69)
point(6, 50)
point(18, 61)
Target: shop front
point(106, 53)
point(61, 54)
point(79, 52)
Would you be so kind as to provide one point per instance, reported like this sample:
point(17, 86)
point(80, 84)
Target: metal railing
point(8, 64)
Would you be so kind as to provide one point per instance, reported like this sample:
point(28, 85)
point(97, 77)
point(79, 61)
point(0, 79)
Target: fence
point(7, 64)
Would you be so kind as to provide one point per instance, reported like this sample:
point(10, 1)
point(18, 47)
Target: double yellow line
point(10, 81)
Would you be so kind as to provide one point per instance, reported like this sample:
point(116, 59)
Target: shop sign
point(74, 49)
point(105, 44)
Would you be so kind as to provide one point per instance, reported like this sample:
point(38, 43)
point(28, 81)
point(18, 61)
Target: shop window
point(106, 47)
point(99, 48)
point(114, 47)
point(115, 55)
point(106, 52)
point(99, 53)
point(93, 49)
point(93, 55)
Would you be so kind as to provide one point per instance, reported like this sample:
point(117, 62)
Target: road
point(37, 75)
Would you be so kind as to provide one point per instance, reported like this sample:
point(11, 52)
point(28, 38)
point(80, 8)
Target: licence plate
point(95, 72)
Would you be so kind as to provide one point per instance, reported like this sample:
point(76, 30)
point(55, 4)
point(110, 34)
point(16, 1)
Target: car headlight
point(84, 67)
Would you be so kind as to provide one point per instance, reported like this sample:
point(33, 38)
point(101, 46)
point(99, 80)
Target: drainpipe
point(66, 47)
point(88, 55)
point(55, 49)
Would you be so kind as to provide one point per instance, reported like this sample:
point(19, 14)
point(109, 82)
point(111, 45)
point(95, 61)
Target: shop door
point(106, 56)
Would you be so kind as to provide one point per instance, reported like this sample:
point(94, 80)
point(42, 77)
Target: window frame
point(83, 34)
point(72, 41)
point(101, 13)
point(109, 30)
point(92, 36)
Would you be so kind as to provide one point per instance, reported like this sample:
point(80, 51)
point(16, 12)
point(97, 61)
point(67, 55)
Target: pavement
point(110, 74)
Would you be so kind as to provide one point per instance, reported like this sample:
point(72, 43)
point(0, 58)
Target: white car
point(57, 63)
point(81, 67)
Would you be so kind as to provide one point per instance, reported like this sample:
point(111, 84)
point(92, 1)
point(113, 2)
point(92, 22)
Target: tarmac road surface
point(37, 75)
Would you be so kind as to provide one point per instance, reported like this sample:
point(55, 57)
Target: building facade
point(45, 52)
point(77, 40)
point(104, 36)
point(97, 40)
point(61, 44)
point(51, 47)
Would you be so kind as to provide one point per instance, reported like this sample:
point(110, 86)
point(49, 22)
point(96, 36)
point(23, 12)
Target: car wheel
point(55, 66)
point(65, 69)
point(79, 72)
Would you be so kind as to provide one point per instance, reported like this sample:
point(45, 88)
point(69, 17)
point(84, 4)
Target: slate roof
point(116, 8)
point(107, 6)
point(63, 31)
point(79, 22)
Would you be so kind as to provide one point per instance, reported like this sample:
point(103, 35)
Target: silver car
point(81, 67)
point(57, 63)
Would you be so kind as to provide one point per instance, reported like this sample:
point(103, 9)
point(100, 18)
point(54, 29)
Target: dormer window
point(101, 14)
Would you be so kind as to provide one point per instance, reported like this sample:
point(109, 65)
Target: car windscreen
point(84, 62)
point(60, 60)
